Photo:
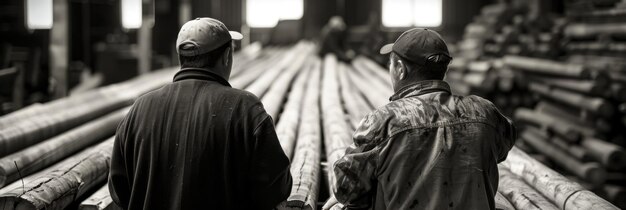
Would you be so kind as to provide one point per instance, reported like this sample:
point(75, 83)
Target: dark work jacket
point(426, 149)
point(197, 143)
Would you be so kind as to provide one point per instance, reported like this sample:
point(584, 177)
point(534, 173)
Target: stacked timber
point(567, 101)
point(316, 105)
point(65, 182)
point(32, 125)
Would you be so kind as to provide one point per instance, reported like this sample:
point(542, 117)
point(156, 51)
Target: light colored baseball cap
point(203, 35)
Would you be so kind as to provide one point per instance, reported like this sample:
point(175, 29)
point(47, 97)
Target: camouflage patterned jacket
point(426, 149)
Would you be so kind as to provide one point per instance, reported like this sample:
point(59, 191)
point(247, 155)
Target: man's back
point(197, 144)
point(427, 149)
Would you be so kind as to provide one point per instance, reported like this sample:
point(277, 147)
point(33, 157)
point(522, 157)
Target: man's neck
point(405, 83)
point(213, 70)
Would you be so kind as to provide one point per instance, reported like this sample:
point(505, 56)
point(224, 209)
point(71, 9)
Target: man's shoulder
point(414, 112)
point(243, 95)
point(477, 106)
point(477, 100)
point(377, 124)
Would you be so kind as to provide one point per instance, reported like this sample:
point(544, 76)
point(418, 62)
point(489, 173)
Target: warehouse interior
point(69, 70)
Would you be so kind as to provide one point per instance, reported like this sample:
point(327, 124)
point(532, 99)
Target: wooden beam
point(520, 194)
point(44, 154)
point(305, 165)
point(337, 135)
point(58, 188)
point(291, 117)
point(566, 194)
point(100, 200)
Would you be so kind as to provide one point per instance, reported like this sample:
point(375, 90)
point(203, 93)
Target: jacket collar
point(200, 74)
point(421, 88)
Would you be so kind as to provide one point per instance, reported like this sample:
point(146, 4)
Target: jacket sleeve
point(356, 171)
point(507, 134)
point(119, 186)
point(270, 177)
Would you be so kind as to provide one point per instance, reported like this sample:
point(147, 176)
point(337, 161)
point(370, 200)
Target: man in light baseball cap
point(198, 143)
point(426, 148)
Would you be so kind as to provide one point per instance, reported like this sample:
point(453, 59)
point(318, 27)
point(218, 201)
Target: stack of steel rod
point(316, 103)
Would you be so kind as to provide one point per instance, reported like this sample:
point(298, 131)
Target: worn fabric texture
point(426, 149)
point(197, 143)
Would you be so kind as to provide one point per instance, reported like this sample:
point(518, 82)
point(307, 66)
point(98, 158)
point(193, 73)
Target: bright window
point(267, 13)
point(39, 14)
point(131, 14)
point(412, 13)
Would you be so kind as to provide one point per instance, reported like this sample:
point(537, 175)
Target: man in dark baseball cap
point(426, 148)
point(198, 143)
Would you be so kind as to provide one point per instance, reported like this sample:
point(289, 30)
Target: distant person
point(334, 40)
point(374, 40)
point(197, 143)
point(427, 148)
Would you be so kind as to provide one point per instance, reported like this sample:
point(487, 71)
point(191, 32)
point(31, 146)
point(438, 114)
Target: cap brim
point(386, 49)
point(235, 35)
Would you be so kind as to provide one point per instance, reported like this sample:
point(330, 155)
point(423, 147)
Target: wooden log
point(50, 151)
point(565, 193)
point(598, 62)
point(585, 126)
point(520, 194)
point(100, 200)
point(583, 30)
point(591, 172)
point(293, 60)
point(32, 130)
point(383, 84)
point(549, 67)
point(610, 155)
point(33, 112)
point(502, 202)
point(61, 186)
point(377, 98)
point(245, 77)
point(305, 167)
point(554, 68)
point(355, 104)
point(378, 72)
point(287, 126)
point(542, 159)
point(547, 122)
point(337, 136)
point(595, 105)
point(574, 150)
point(587, 87)
point(277, 86)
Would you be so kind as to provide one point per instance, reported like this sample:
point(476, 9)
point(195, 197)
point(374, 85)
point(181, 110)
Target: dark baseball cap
point(417, 45)
point(203, 35)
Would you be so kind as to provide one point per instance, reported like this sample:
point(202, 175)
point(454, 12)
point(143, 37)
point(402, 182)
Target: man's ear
point(401, 69)
point(226, 56)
